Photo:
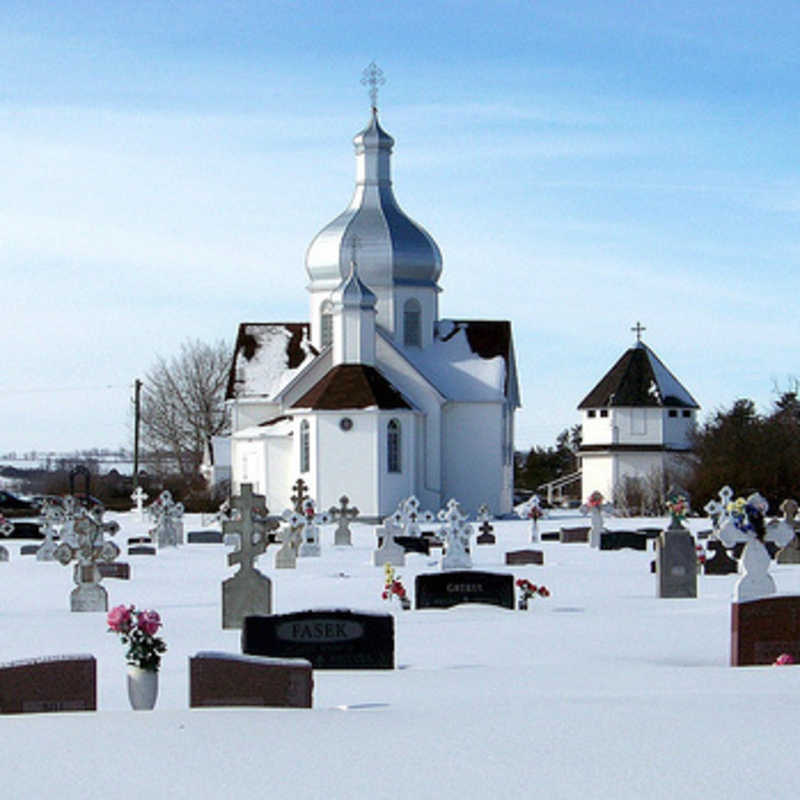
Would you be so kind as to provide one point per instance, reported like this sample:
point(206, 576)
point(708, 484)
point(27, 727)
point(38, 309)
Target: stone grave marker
point(291, 537)
point(29, 549)
point(408, 517)
point(141, 550)
point(485, 536)
point(167, 516)
point(447, 589)
point(310, 546)
point(343, 515)
point(720, 562)
point(140, 540)
point(204, 537)
point(676, 560)
point(790, 554)
point(522, 557)
point(329, 639)
point(229, 679)
point(534, 512)
point(139, 496)
point(388, 550)
point(763, 629)
point(57, 683)
point(572, 535)
point(50, 516)
point(455, 533)
point(595, 507)
point(413, 544)
point(116, 569)
point(89, 549)
point(746, 523)
point(248, 591)
point(619, 540)
point(555, 536)
point(299, 495)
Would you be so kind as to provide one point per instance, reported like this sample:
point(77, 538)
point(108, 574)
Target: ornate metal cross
point(252, 526)
point(455, 533)
point(637, 329)
point(486, 536)
point(718, 511)
point(408, 516)
point(372, 76)
point(300, 495)
point(166, 514)
point(50, 515)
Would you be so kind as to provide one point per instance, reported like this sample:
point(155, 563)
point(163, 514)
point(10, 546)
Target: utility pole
point(137, 391)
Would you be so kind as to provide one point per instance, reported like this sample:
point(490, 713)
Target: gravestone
point(29, 549)
point(116, 569)
point(290, 537)
point(413, 544)
point(50, 515)
point(299, 495)
point(485, 535)
point(790, 554)
point(140, 540)
point(343, 515)
point(552, 536)
point(748, 526)
point(763, 629)
point(408, 517)
point(595, 507)
point(388, 551)
point(522, 557)
point(573, 535)
point(138, 497)
point(532, 510)
point(88, 550)
point(204, 537)
point(447, 589)
point(455, 533)
point(229, 679)
point(141, 550)
point(676, 564)
point(310, 546)
point(619, 540)
point(720, 563)
point(24, 530)
point(57, 683)
point(329, 639)
point(248, 591)
point(167, 516)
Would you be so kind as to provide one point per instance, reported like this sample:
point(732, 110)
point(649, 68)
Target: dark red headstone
point(761, 630)
point(56, 683)
point(521, 557)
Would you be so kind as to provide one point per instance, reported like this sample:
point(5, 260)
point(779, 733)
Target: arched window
point(305, 446)
point(393, 442)
point(326, 324)
point(412, 323)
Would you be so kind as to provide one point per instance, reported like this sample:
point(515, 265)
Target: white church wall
point(279, 477)
point(248, 464)
point(597, 474)
point(346, 461)
point(677, 428)
point(473, 468)
point(397, 486)
point(638, 425)
point(247, 413)
point(598, 429)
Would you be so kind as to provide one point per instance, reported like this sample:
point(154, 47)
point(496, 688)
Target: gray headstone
point(676, 564)
point(389, 551)
point(204, 537)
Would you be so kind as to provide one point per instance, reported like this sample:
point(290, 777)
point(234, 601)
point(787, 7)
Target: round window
point(345, 423)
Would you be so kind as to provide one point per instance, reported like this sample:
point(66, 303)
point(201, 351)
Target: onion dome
point(392, 248)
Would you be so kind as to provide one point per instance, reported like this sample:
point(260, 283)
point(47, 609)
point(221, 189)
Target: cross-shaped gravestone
point(248, 592)
point(311, 545)
point(139, 496)
point(746, 523)
point(791, 553)
point(408, 517)
point(718, 511)
point(486, 536)
point(291, 538)
point(6, 529)
point(50, 515)
point(533, 511)
point(300, 495)
point(343, 515)
point(72, 509)
point(455, 533)
point(167, 516)
point(89, 549)
point(595, 507)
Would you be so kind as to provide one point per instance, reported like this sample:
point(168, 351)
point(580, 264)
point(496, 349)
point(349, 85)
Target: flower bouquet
point(748, 515)
point(393, 587)
point(137, 630)
point(678, 508)
point(595, 500)
point(528, 591)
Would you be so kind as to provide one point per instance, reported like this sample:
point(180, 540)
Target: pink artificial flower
point(149, 622)
point(119, 619)
point(783, 660)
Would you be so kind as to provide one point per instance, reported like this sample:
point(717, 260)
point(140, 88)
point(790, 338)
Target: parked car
point(13, 506)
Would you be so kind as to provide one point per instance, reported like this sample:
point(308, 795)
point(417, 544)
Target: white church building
point(636, 423)
point(375, 397)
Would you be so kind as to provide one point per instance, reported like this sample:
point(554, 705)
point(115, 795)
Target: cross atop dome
point(372, 76)
point(637, 329)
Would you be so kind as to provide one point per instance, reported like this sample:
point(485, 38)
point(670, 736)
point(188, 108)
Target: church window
point(305, 446)
point(412, 323)
point(673, 412)
point(687, 413)
point(393, 446)
point(326, 325)
point(591, 413)
point(603, 412)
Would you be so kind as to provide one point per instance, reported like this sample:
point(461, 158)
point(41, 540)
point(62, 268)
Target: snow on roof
point(267, 357)
point(468, 359)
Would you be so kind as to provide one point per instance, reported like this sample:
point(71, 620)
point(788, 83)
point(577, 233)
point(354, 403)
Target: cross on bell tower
point(372, 76)
point(637, 329)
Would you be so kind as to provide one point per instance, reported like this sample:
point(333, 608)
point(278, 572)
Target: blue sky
point(582, 166)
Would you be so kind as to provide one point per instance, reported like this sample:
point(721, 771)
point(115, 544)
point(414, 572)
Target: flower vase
point(142, 688)
point(522, 604)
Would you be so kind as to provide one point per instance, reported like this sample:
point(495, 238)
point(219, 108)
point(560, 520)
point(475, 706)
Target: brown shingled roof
point(352, 386)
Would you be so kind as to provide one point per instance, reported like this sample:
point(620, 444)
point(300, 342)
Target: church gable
point(267, 356)
point(350, 386)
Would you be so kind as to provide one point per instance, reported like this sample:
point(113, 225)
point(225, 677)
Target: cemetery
point(333, 645)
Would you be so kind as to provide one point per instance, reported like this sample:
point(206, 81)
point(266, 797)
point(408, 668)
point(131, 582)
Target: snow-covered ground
point(600, 691)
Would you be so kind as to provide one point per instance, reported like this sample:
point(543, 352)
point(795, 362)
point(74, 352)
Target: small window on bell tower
point(326, 324)
point(412, 323)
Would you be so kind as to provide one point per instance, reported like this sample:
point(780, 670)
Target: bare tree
point(183, 403)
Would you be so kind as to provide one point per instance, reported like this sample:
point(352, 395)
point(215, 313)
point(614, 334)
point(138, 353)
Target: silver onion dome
point(392, 248)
